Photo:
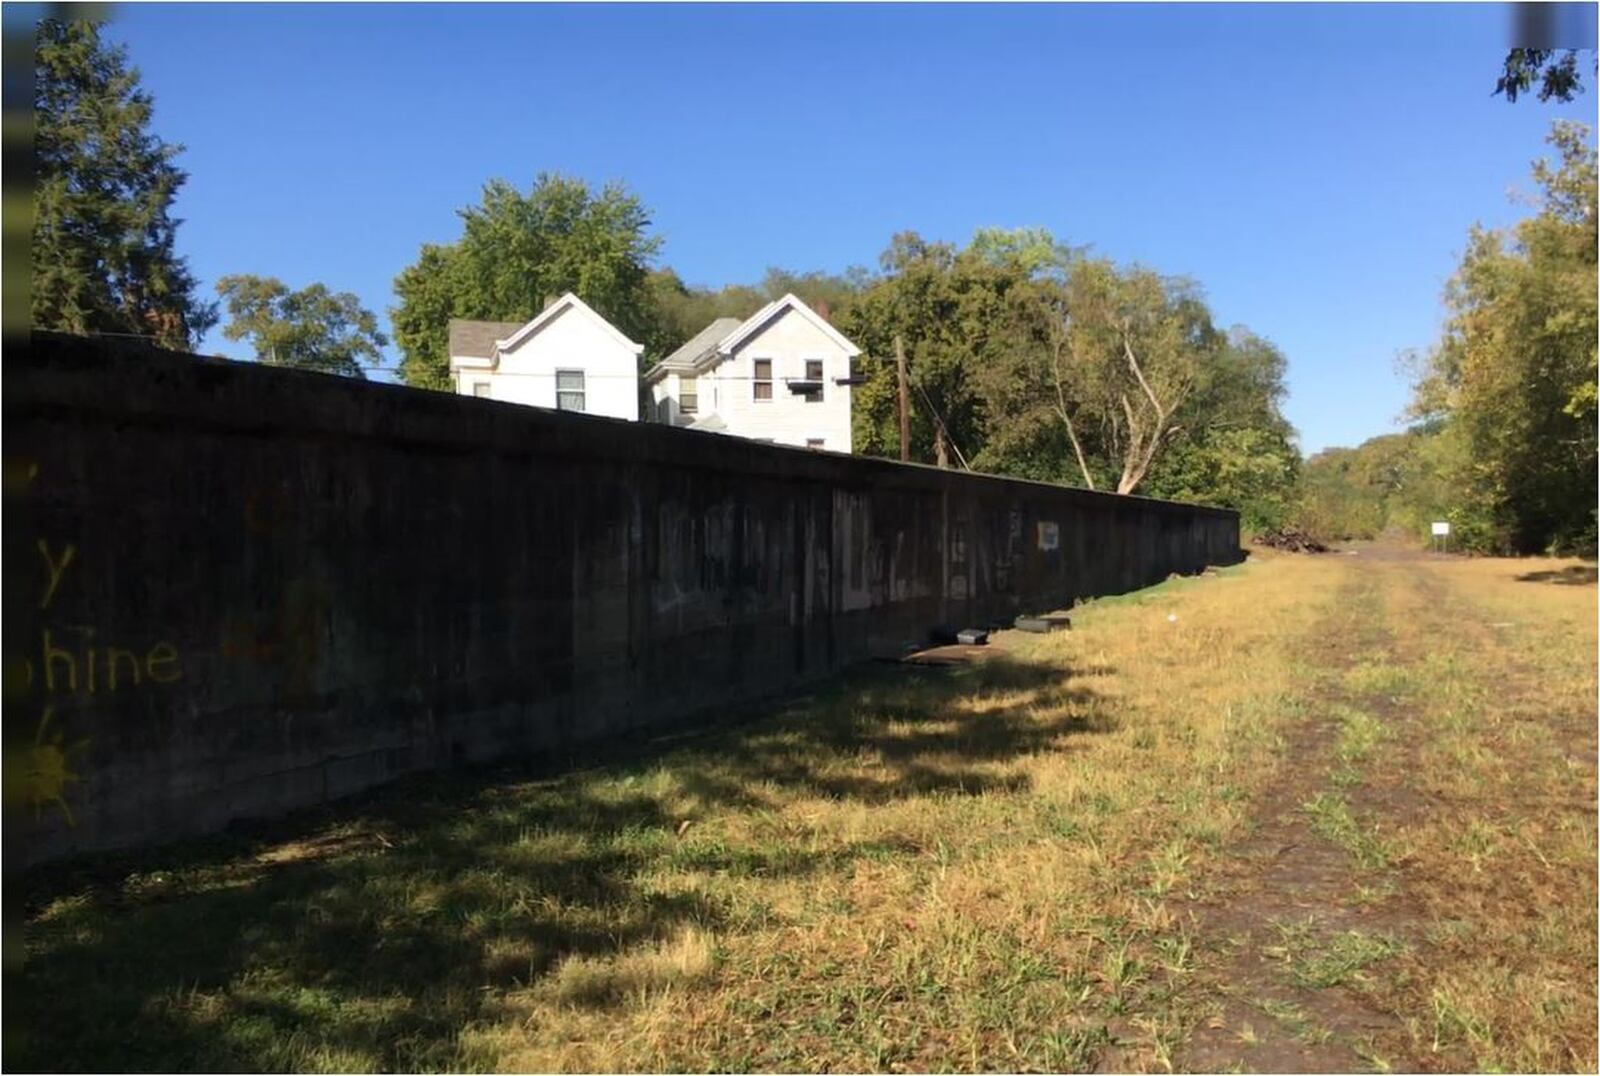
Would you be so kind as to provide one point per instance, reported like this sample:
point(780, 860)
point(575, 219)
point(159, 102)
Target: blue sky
point(1315, 168)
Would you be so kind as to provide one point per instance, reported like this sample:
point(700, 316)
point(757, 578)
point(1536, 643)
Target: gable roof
point(567, 302)
point(717, 340)
point(700, 344)
point(775, 309)
point(475, 339)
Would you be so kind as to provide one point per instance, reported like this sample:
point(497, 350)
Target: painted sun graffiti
point(45, 769)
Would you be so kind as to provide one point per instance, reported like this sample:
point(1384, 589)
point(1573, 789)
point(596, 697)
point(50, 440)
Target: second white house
point(781, 375)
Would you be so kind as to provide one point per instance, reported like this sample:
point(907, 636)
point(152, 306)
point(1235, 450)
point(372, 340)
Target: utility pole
point(905, 400)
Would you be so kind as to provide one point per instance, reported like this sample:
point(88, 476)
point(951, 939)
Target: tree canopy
point(1241, 452)
point(947, 309)
point(309, 329)
point(516, 253)
point(1030, 358)
point(1555, 73)
point(1504, 446)
point(104, 258)
point(1513, 378)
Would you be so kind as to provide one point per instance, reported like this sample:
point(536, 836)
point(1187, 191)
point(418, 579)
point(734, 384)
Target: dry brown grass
point(991, 868)
point(1503, 857)
point(1019, 924)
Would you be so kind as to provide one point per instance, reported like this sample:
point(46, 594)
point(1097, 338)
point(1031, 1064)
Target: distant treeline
point(1504, 445)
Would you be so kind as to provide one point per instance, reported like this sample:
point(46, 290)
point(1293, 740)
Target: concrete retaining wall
point(232, 590)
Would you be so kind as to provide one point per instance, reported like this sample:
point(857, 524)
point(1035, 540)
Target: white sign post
point(1441, 536)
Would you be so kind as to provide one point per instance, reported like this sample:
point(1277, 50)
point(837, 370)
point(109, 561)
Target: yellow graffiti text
point(56, 568)
point(72, 663)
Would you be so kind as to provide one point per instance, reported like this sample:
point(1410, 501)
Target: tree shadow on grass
point(367, 934)
point(1574, 575)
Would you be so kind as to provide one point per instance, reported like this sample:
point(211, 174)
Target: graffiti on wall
point(43, 770)
point(65, 660)
point(69, 659)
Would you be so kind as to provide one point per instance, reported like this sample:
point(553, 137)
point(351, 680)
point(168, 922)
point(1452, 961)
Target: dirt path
point(1301, 925)
point(1288, 881)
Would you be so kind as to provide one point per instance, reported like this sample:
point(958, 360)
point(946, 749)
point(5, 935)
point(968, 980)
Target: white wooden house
point(569, 358)
point(781, 375)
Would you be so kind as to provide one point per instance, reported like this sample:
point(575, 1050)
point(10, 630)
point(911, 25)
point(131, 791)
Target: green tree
point(1033, 251)
point(309, 329)
point(1514, 377)
point(1505, 442)
point(432, 291)
point(949, 309)
point(1046, 364)
point(103, 238)
point(1103, 372)
point(1238, 450)
point(516, 253)
point(1138, 345)
point(1250, 468)
point(1555, 73)
point(1333, 503)
point(1352, 492)
point(826, 293)
point(680, 310)
point(1395, 483)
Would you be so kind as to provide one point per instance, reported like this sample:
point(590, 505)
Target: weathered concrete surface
point(232, 590)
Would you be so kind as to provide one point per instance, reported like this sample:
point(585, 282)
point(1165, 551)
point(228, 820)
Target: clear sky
point(1314, 167)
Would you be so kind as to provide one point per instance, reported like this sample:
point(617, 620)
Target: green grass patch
point(1295, 1020)
point(1333, 819)
point(1313, 959)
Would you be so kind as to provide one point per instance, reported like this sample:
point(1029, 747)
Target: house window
point(814, 374)
point(762, 378)
point(480, 388)
point(815, 444)
point(688, 396)
point(569, 390)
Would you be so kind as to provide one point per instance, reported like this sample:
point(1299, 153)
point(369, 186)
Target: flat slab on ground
point(1313, 813)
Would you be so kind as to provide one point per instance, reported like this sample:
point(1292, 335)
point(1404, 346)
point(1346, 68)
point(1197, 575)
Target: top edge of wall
point(138, 384)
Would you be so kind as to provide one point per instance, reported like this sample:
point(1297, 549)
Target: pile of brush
point(1292, 539)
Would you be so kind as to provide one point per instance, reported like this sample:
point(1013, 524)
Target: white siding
point(570, 341)
point(788, 418)
point(467, 380)
point(669, 390)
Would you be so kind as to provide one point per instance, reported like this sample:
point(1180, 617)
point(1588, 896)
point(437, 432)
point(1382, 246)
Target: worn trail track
point(1288, 885)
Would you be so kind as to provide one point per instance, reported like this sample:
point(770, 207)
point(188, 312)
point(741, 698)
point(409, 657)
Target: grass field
point(1330, 812)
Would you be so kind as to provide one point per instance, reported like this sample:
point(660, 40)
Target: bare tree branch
point(1144, 444)
point(1131, 473)
point(1056, 344)
point(1133, 364)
